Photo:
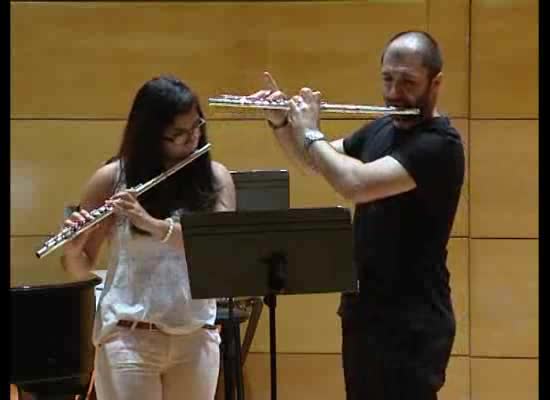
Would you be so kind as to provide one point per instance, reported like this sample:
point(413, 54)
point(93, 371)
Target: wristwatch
point(310, 136)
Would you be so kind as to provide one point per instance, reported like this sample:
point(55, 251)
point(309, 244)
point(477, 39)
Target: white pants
point(136, 364)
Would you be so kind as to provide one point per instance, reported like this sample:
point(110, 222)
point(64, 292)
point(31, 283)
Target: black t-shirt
point(400, 242)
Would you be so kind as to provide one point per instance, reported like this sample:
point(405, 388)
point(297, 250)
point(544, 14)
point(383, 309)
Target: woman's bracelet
point(170, 230)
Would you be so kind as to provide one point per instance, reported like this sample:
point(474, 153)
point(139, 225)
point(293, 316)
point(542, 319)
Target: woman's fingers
point(125, 194)
point(78, 218)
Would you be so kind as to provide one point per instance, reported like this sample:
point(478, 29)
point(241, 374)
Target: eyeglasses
point(182, 133)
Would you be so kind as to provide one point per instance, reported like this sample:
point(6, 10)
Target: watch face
point(312, 135)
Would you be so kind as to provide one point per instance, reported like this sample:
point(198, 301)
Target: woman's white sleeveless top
point(148, 281)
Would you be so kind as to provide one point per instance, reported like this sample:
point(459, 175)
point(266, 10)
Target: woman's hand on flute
point(125, 203)
point(75, 220)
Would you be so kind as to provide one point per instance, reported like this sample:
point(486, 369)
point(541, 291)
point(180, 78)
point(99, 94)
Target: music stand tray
point(269, 253)
point(261, 189)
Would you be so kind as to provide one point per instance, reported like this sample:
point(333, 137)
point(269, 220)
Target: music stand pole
point(271, 302)
point(277, 265)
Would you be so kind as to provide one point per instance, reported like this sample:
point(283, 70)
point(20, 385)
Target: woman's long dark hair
point(154, 109)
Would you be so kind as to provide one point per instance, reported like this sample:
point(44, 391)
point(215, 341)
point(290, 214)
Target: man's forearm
point(287, 140)
point(337, 169)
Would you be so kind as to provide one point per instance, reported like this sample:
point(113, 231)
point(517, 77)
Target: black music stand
point(255, 189)
point(269, 253)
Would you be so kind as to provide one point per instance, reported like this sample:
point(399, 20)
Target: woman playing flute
point(153, 341)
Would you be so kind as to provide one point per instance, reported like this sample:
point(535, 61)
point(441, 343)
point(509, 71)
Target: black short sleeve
point(354, 144)
point(434, 158)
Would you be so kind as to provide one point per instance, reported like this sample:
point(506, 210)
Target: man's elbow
point(360, 193)
point(350, 191)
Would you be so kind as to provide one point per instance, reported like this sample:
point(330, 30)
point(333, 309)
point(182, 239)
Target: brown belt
point(150, 325)
point(139, 325)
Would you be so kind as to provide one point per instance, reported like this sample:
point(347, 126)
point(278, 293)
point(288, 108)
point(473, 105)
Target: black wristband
point(308, 143)
point(281, 125)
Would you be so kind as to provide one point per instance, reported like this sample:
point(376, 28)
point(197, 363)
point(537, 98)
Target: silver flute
point(227, 100)
point(69, 233)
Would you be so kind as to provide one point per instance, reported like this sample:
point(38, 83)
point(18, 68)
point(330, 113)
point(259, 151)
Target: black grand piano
point(51, 319)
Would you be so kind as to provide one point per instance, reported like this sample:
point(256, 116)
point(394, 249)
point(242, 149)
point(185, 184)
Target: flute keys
point(97, 212)
point(227, 100)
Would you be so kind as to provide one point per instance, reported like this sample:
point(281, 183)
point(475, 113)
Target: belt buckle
point(151, 326)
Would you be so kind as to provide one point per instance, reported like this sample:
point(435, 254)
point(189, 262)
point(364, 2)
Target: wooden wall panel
point(504, 82)
point(71, 59)
point(504, 298)
point(251, 145)
point(461, 223)
point(305, 324)
point(449, 23)
point(52, 160)
point(321, 377)
point(26, 269)
point(50, 163)
point(457, 263)
point(24, 264)
point(51, 172)
point(336, 46)
point(457, 383)
point(299, 376)
point(504, 179)
point(504, 379)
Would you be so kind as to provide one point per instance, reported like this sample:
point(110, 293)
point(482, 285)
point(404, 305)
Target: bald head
point(415, 43)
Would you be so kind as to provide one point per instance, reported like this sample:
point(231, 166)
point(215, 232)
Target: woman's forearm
point(76, 264)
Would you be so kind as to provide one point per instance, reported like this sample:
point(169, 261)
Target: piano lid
point(27, 272)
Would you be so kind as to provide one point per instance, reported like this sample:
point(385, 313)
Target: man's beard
point(422, 103)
